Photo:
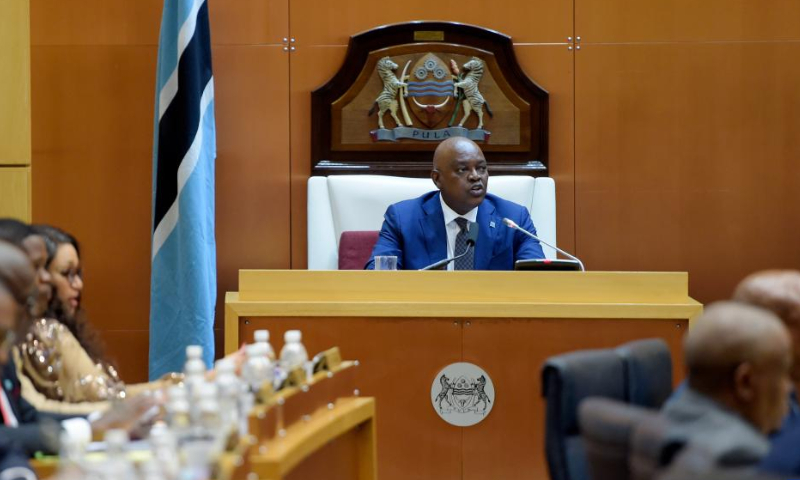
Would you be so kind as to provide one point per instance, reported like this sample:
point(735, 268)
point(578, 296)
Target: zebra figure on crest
point(473, 100)
point(387, 99)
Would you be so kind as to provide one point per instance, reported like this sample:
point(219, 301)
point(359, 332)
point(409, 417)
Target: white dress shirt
point(452, 228)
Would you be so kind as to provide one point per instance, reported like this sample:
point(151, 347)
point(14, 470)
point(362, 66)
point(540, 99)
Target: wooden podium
point(405, 326)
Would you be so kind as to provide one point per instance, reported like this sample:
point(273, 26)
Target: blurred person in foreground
point(738, 360)
point(779, 291)
point(16, 286)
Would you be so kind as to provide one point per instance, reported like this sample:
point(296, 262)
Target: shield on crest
point(430, 90)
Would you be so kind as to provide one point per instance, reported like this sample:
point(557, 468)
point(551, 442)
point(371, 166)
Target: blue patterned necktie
point(467, 262)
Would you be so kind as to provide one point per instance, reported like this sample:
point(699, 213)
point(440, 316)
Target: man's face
point(462, 177)
point(37, 252)
point(8, 317)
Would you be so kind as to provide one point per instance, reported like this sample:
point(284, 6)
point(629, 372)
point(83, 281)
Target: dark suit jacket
point(784, 456)
point(724, 438)
point(37, 432)
point(414, 231)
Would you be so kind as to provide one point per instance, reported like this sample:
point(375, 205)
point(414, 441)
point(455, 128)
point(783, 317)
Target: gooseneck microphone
point(472, 237)
point(510, 224)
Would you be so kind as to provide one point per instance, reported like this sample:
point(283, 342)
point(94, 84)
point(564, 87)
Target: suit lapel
point(486, 235)
point(433, 230)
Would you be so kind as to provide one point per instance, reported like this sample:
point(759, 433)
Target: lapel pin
point(491, 224)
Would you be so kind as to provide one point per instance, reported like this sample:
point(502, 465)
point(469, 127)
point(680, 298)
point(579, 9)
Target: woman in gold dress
point(63, 365)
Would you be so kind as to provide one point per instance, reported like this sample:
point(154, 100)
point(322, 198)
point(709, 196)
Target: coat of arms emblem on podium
point(462, 394)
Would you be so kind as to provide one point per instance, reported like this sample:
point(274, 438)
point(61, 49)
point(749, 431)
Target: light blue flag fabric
point(183, 281)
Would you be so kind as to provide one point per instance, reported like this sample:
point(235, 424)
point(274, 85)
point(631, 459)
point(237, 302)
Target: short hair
point(14, 231)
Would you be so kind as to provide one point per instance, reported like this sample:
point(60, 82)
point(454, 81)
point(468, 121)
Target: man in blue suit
point(435, 226)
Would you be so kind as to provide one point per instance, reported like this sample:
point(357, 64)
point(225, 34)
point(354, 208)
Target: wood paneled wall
point(672, 132)
point(15, 110)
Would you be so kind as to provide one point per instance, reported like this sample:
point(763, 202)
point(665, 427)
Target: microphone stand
point(510, 224)
point(442, 263)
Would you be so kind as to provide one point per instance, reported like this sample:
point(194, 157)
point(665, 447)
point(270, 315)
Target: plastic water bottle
point(262, 337)
point(164, 446)
point(293, 353)
point(118, 466)
point(194, 356)
point(194, 370)
point(257, 369)
point(228, 388)
point(178, 410)
point(209, 410)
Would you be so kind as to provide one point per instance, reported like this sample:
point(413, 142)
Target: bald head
point(452, 147)
point(460, 173)
point(775, 290)
point(739, 355)
point(779, 292)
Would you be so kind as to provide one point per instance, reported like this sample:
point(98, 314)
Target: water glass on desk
point(385, 262)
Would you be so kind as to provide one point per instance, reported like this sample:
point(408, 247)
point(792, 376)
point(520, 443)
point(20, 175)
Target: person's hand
point(238, 358)
point(129, 414)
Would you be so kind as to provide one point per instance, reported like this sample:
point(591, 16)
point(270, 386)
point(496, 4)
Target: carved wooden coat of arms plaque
point(403, 88)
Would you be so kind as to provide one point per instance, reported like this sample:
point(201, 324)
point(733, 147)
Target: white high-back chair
point(343, 203)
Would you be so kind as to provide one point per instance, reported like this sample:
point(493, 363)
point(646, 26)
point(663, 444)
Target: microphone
point(510, 224)
point(472, 237)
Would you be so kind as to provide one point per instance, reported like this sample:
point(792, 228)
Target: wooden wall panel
point(551, 66)
point(332, 23)
point(15, 192)
point(686, 20)
point(93, 87)
point(311, 67)
point(92, 140)
point(95, 22)
point(686, 159)
point(15, 93)
point(249, 22)
point(252, 111)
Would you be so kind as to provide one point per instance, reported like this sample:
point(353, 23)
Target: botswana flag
point(183, 280)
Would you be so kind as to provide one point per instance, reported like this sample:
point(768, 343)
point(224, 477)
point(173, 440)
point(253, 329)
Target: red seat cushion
point(355, 249)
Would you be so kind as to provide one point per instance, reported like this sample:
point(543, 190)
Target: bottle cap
point(292, 336)
point(194, 351)
point(261, 335)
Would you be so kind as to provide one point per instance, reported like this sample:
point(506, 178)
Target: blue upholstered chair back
point(566, 380)
point(648, 372)
point(638, 373)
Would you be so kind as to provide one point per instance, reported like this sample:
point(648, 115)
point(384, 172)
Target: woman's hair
point(77, 323)
point(53, 237)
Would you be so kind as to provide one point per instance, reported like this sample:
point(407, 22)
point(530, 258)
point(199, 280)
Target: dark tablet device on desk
point(547, 265)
